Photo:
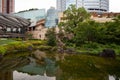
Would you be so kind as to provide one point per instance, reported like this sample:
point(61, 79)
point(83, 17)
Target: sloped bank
point(19, 46)
point(14, 47)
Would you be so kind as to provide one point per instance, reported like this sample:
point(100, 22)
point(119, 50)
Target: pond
point(38, 65)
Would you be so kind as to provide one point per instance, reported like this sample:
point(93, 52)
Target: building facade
point(51, 18)
point(7, 6)
point(61, 5)
point(33, 15)
point(99, 6)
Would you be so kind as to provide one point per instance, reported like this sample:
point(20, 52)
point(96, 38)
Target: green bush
point(37, 42)
point(92, 45)
point(3, 50)
point(20, 45)
point(17, 46)
point(49, 48)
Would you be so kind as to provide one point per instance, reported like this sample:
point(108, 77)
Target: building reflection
point(7, 75)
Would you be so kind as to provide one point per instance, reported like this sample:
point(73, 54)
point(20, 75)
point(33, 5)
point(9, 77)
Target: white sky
point(28, 4)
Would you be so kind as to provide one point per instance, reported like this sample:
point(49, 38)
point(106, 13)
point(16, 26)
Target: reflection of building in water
point(6, 75)
point(26, 76)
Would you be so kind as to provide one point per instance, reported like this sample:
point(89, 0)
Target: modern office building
point(61, 5)
point(90, 5)
point(51, 18)
point(7, 6)
point(33, 15)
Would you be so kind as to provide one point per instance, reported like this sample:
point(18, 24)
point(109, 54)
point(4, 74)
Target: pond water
point(24, 66)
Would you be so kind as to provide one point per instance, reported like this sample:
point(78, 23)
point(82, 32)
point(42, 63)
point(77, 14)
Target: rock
point(66, 50)
point(70, 51)
point(60, 50)
point(108, 53)
point(30, 48)
point(39, 55)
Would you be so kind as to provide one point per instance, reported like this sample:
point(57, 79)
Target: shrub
point(17, 46)
point(37, 42)
point(49, 48)
point(91, 45)
point(3, 50)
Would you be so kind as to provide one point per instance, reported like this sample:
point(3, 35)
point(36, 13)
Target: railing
point(12, 35)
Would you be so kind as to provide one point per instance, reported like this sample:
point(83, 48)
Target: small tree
point(51, 37)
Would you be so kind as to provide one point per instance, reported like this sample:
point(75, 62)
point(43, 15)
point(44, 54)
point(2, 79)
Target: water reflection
point(113, 77)
point(25, 76)
point(39, 66)
point(6, 75)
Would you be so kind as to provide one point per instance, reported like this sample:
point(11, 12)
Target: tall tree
point(73, 16)
point(77, 24)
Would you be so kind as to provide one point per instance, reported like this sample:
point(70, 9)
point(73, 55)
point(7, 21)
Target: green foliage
point(37, 42)
point(73, 17)
point(14, 46)
point(96, 48)
point(78, 23)
point(84, 30)
point(44, 48)
point(51, 37)
point(17, 46)
point(6, 41)
point(3, 50)
point(91, 45)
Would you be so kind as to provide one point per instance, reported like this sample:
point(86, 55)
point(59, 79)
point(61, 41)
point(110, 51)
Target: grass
point(95, 48)
point(9, 45)
point(6, 41)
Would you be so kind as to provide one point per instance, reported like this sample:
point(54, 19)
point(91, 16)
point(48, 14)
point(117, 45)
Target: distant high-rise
point(61, 5)
point(7, 6)
point(51, 18)
point(90, 5)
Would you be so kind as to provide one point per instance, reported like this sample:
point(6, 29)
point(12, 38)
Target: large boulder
point(108, 53)
point(39, 55)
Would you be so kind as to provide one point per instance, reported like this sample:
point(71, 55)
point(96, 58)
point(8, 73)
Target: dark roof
point(8, 20)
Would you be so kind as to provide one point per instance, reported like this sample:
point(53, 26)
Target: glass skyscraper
point(51, 18)
point(61, 5)
point(69, 2)
point(90, 5)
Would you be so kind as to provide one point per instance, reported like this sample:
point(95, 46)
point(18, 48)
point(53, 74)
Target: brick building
point(7, 6)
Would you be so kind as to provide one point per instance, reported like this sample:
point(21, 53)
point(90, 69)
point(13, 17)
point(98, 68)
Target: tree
point(74, 16)
point(86, 32)
point(109, 32)
point(51, 37)
point(77, 24)
point(112, 31)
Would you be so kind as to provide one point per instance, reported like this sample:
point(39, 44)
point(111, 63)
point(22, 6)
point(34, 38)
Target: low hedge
point(14, 46)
